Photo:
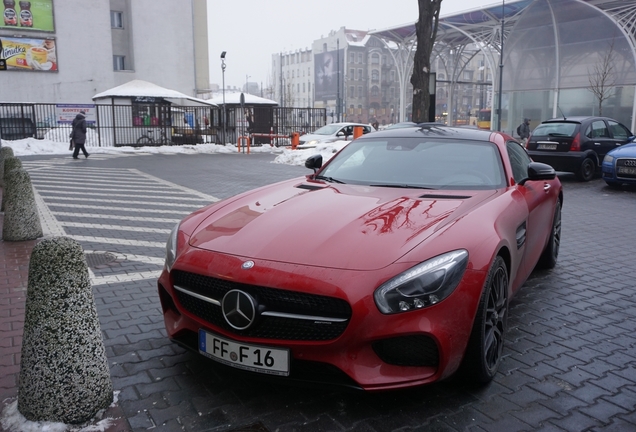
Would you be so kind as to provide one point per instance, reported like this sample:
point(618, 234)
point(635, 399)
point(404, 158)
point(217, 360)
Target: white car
point(331, 133)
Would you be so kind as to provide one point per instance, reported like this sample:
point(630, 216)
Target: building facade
point(74, 49)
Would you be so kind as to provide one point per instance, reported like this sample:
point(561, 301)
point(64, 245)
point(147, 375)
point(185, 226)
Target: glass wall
point(553, 52)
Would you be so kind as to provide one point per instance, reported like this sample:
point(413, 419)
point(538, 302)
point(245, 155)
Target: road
point(570, 354)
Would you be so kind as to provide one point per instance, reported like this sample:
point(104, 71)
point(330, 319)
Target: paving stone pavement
point(570, 354)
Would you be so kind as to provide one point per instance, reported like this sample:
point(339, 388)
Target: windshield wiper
point(403, 186)
point(330, 179)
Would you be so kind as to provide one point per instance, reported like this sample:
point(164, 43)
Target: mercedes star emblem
point(239, 309)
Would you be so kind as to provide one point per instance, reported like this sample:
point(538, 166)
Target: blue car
point(619, 166)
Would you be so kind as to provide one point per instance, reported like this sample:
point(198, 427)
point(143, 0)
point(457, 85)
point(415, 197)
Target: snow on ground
point(56, 143)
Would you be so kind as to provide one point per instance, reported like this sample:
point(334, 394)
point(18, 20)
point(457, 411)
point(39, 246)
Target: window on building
point(116, 19)
point(293, 74)
point(375, 91)
point(359, 58)
point(352, 57)
point(351, 91)
point(375, 75)
point(308, 71)
point(392, 92)
point(351, 109)
point(392, 75)
point(359, 91)
point(352, 74)
point(309, 87)
point(359, 109)
point(119, 62)
point(359, 74)
point(375, 59)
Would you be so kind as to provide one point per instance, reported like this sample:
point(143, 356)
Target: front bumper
point(372, 351)
point(560, 161)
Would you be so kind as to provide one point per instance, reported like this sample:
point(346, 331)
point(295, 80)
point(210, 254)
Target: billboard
point(29, 54)
point(28, 15)
point(326, 74)
point(65, 113)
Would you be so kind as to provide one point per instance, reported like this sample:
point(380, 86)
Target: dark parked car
point(16, 128)
point(576, 144)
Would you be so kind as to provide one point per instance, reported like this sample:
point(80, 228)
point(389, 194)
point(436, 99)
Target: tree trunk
point(426, 31)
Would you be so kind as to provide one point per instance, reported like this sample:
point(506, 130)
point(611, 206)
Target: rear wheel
point(144, 141)
point(586, 170)
point(550, 254)
point(485, 346)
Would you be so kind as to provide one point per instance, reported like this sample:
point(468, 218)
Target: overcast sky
point(252, 30)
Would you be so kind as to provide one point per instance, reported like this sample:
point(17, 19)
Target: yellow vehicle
point(483, 118)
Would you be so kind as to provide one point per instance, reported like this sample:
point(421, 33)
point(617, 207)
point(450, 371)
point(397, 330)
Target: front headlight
point(312, 142)
point(171, 247)
point(424, 285)
point(608, 159)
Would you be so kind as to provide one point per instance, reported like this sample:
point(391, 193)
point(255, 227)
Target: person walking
point(524, 130)
point(79, 134)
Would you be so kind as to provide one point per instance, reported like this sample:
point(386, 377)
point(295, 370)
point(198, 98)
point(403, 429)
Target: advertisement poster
point(29, 54)
point(65, 113)
point(27, 15)
point(326, 74)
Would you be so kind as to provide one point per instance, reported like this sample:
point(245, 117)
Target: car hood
point(626, 150)
point(310, 137)
point(339, 226)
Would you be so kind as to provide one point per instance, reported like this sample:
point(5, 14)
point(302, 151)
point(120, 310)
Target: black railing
point(159, 124)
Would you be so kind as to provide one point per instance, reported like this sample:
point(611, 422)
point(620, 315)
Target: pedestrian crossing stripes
point(121, 211)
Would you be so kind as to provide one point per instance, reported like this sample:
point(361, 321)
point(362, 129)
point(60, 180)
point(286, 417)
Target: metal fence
point(160, 124)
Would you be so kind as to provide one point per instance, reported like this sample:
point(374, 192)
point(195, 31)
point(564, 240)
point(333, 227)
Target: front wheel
point(144, 141)
point(485, 346)
point(586, 170)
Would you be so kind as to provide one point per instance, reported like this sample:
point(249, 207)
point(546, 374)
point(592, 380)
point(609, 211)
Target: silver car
point(331, 133)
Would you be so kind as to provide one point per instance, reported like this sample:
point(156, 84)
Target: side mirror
point(539, 171)
point(314, 162)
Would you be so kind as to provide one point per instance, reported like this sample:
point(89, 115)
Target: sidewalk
point(14, 271)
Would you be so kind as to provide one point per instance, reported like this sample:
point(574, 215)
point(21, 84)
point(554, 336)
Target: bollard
point(10, 163)
point(21, 220)
point(64, 375)
point(4, 153)
point(295, 140)
point(357, 132)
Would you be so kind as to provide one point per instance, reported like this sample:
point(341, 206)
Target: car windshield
point(418, 163)
point(330, 129)
point(555, 129)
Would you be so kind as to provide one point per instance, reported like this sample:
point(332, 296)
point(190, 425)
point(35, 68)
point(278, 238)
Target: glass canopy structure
point(555, 53)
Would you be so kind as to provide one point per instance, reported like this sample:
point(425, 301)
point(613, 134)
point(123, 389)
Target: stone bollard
point(64, 375)
point(21, 220)
point(10, 163)
point(4, 153)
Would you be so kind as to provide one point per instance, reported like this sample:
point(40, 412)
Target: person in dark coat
point(79, 134)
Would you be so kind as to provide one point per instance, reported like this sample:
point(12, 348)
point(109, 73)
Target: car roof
point(433, 130)
point(346, 124)
point(576, 119)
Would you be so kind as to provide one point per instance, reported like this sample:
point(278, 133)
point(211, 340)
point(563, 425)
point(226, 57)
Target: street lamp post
point(501, 66)
point(223, 84)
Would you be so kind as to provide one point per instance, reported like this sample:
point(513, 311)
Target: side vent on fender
point(521, 235)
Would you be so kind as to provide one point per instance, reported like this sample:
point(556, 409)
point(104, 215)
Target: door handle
point(546, 187)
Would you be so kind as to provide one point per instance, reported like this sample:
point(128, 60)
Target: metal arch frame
point(484, 35)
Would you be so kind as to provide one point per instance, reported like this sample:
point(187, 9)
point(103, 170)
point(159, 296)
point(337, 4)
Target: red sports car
point(390, 266)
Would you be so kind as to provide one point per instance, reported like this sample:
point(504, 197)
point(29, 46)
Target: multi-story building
point(349, 73)
point(70, 50)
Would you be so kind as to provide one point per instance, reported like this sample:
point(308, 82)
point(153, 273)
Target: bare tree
point(290, 95)
point(601, 77)
point(426, 32)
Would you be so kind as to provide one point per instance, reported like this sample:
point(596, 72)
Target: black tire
point(586, 170)
point(485, 346)
point(144, 141)
point(548, 258)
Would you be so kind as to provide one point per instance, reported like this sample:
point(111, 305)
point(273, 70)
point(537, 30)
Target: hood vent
point(309, 187)
point(436, 196)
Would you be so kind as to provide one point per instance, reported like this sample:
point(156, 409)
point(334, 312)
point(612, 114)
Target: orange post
point(295, 140)
point(357, 132)
point(247, 143)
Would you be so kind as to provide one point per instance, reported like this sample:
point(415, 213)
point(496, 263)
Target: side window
point(519, 160)
point(598, 130)
point(618, 130)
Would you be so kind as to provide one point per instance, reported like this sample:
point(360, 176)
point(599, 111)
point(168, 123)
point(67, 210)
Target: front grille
point(415, 350)
point(269, 300)
point(628, 166)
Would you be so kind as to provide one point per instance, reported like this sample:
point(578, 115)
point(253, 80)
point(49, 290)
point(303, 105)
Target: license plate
point(546, 146)
point(626, 170)
point(255, 358)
